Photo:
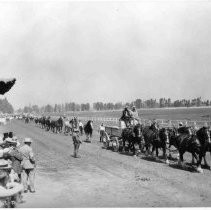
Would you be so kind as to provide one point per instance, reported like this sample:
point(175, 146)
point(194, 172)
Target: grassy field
point(190, 114)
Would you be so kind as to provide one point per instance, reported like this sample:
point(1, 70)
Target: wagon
point(112, 138)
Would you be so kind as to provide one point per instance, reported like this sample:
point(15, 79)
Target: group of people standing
point(17, 168)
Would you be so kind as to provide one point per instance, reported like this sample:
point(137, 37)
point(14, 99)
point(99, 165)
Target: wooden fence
point(162, 122)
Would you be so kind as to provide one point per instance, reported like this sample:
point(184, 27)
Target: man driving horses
point(126, 115)
point(134, 116)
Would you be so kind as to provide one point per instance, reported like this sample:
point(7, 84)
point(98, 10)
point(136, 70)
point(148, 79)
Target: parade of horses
point(105, 104)
point(139, 138)
point(178, 146)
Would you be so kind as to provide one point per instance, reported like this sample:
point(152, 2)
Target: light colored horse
point(68, 126)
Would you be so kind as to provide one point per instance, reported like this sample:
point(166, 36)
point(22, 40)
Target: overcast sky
point(105, 51)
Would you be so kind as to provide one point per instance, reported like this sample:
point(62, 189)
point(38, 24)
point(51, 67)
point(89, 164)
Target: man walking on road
point(76, 142)
point(102, 131)
point(28, 165)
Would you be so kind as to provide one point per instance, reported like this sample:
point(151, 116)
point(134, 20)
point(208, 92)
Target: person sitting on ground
point(102, 131)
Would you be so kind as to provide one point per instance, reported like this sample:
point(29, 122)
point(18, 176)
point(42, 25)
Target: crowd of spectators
point(17, 169)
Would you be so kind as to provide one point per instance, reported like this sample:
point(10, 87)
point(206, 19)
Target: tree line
point(100, 106)
point(5, 106)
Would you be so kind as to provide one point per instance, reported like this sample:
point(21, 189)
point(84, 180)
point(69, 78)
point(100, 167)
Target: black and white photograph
point(105, 104)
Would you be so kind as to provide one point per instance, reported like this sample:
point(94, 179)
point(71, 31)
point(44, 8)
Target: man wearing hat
point(134, 116)
point(15, 156)
point(76, 142)
point(126, 116)
point(28, 165)
point(180, 124)
point(3, 150)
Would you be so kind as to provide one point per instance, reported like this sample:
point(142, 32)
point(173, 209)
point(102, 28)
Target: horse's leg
point(147, 149)
point(205, 162)
point(134, 149)
point(180, 161)
point(199, 169)
point(157, 151)
point(153, 149)
point(165, 154)
point(123, 145)
point(141, 147)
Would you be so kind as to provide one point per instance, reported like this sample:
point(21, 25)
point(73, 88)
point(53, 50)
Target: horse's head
point(154, 126)
point(207, 134)
point(204, 134)
point(91, 124)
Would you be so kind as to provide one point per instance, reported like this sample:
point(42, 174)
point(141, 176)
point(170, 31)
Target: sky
point(63, 51)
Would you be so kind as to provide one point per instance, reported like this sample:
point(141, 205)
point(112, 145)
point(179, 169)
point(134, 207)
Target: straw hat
point(10, 141)
point(27, 140)
point(4, 164)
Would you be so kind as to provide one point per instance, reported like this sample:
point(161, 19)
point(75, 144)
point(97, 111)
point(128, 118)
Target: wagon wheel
point(106, 140)
point(115, 144)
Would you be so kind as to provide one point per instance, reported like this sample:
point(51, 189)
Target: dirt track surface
point(102, 178)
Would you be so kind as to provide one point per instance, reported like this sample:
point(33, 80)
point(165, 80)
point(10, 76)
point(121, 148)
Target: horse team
point(184, 139)
point(63, 124)
point(149, 138)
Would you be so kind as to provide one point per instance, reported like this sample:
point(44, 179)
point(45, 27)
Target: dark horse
point(150, 134)
point(133, 135)
point(48, 123)
point(57, 125)
point(88, 130)
point(195, 144)
point(161, 142)
point(203, 135)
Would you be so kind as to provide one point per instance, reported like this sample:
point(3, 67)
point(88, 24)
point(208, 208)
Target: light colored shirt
point(134, 114)
point(28, 157)
point(80, 124)
point(102, 128)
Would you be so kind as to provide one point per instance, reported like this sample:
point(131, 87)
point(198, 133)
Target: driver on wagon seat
point(134, 116)
point(126, 115)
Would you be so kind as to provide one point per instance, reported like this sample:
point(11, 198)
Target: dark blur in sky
point(105, 51)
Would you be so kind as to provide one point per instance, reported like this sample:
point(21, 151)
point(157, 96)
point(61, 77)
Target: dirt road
point(102, 178)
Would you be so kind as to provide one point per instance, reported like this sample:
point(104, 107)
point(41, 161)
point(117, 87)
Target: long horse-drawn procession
point(133, 136)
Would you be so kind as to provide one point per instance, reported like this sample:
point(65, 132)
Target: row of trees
point(98, 106)
point(5, 106)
